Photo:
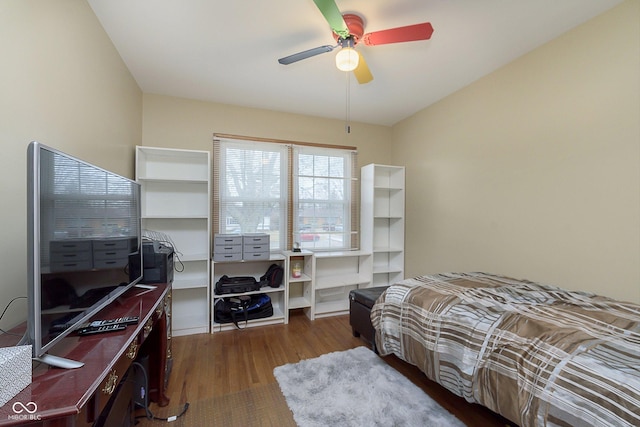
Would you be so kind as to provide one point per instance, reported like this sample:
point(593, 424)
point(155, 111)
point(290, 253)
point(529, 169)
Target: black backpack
point(236, 285)
point(273, 276)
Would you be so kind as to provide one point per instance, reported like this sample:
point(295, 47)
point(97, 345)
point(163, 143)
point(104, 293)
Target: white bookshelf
point(255, 268)
point(300, 290)
point(382, 220)
point(176, 191)
point(336, 274)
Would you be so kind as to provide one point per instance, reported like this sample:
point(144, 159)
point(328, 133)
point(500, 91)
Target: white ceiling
point(227, 51)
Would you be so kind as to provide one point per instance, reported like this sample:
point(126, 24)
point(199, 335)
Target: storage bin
point(227, 247)
point(255, 246)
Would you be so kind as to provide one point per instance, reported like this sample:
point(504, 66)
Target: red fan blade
point(398, 35)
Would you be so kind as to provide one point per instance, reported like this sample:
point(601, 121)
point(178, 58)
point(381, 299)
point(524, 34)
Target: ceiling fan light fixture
point(347, 59)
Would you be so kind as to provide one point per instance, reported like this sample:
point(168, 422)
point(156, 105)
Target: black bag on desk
point(242, 308)
point(236, 285)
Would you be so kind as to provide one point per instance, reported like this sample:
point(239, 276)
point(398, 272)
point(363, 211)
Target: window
point(252, 189)
point(79, 201)
point(293, 192)
point(322, 198)
point(85, 202)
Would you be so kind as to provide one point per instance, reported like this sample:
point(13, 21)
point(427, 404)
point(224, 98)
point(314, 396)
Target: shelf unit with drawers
point(255, 268)
point(382, 220)
point(337, 273)
point(176, 189)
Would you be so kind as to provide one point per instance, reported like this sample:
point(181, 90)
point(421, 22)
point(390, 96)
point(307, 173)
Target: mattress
point(536, 354)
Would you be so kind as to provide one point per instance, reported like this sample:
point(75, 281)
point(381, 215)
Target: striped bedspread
point(538, 355)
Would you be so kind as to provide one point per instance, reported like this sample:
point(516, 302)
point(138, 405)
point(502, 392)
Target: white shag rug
point(356, 388)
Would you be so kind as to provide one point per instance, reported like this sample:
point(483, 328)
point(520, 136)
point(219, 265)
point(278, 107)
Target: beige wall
point(534, 170)
point(62, 83)
point(183, 123)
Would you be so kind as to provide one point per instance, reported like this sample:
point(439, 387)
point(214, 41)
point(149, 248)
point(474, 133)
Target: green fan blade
point(332, 14)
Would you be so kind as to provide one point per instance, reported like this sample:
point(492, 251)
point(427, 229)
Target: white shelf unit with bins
point(255, 268)
point(176, 201)
point(300, 290)
point(337, 273)
point(382, 220)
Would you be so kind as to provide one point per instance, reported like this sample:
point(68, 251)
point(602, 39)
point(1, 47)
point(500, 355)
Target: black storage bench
point(360, 303)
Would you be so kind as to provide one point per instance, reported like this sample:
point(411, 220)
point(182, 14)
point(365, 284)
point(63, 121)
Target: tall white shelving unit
point(382, 220)
point(176, 201)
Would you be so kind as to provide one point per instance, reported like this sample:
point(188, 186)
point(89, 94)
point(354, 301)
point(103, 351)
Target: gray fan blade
point(306, 54)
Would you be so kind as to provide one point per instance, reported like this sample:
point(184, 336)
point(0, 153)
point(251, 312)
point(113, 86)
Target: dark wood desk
point(76, 397)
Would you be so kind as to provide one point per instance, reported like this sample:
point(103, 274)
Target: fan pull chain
point(348, 104)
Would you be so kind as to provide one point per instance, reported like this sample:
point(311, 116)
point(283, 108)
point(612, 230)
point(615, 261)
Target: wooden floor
point(216, 365)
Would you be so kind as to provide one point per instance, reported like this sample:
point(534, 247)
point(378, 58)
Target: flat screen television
point(83, 230)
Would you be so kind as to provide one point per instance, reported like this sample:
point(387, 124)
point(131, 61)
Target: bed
point(536, 354)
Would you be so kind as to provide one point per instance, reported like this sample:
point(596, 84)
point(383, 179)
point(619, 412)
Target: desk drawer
point(110, 244)
point(227, 239)
point(228, 256)
point(70, 256)
point(247, 256)
point(111, 254)
point(227, 248)
point(71, 266)
point(70, 246)
point(110, 263)
point(114, 377)
point(255, 247)
point(255, 239)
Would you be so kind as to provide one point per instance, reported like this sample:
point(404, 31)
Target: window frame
point(289, 229)
point(253, 154)
point(320, 179)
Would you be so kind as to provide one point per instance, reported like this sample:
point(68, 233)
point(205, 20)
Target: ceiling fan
point(348, 31)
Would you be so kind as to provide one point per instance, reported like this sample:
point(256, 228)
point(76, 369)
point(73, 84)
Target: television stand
point(59, 362)
point(51, 360)
point(78, 396)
